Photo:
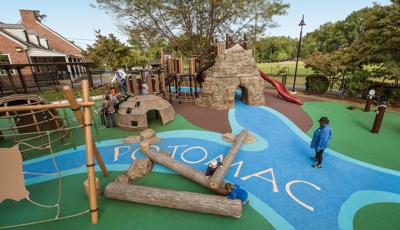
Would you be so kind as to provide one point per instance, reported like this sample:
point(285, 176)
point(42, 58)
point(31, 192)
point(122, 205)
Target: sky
point(77, 20)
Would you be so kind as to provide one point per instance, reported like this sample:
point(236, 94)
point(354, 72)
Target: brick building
point(30, 41)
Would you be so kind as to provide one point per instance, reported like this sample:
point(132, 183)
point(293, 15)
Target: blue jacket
point(321, 138)
point(237, 193)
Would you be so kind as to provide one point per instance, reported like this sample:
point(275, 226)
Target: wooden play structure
point(190, 201)
point(30, 121)
point(82, 114)
point(169, 78)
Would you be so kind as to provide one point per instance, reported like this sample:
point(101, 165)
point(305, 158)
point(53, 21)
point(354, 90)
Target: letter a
point(272, 180)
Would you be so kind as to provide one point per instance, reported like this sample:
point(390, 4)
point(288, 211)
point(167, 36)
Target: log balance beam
point(190, 201)
point(217, 179)
point(181, 168)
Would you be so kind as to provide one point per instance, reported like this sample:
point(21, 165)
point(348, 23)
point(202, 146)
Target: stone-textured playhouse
point(132, 114)
point(234, 68)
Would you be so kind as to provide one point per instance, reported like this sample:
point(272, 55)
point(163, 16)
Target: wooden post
point(69, 94)
point(156, 84)
point(368, 104)
point(180, 66)
point(182, 169)
point(135, 86)
point(149, 84)
point(129, 85)
point(189, 201)
point(218, 177)
point(378, 118)
point(87, 127)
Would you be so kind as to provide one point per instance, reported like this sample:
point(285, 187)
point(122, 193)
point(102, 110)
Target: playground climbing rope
point(58, 173)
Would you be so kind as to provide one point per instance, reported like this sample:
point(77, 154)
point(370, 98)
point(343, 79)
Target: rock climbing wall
point(234, 68)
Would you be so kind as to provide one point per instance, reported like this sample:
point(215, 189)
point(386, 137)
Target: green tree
point(198, 21)
point(276, 48)
point(378, 44)
point(109, 52)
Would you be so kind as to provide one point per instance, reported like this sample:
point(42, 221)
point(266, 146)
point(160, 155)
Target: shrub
point(357, 85)
point(316, 84)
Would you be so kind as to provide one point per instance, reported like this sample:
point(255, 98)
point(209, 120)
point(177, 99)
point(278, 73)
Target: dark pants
point(110, 120)
point(319, 156)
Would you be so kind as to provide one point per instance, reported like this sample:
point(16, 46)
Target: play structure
point(229, 67)
point(30, 121)
point(210, 81)
point(133, 113)
point(281, 88)
point(235, 68)
point(85, 119)
point(190, 201)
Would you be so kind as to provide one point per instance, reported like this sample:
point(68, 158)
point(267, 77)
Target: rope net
point(58, 174)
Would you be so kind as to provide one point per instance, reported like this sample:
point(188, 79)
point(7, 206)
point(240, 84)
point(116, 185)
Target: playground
point(188, 116)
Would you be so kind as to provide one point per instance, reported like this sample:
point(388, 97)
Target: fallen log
point(217, 179)
point(182, 169)
point(190, 201)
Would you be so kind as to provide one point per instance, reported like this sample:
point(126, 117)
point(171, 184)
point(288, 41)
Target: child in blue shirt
point(320, 141)
point(235, 192)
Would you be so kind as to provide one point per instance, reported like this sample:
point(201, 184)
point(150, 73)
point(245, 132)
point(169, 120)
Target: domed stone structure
point(234, 68)
point(132, 114)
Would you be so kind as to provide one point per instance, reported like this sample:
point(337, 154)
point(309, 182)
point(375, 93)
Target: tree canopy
point(191, 26)
point(108, 52)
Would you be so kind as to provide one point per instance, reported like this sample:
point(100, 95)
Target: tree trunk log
point(190, 201)
point(218, 177)
point(182, 169)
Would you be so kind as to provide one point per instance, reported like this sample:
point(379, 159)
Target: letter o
point(191, 148)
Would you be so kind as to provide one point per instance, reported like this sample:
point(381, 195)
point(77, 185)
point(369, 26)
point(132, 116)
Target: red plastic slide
point(283, 92)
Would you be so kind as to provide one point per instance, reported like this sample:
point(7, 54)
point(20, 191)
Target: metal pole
point(298, 54)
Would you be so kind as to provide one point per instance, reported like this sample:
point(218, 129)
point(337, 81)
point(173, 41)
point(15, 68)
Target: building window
point(134, 123)
point(5, 59)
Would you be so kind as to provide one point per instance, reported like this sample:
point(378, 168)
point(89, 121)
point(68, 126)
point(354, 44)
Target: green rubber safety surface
point(120, 214)
point(351, 133)
point(378, 216)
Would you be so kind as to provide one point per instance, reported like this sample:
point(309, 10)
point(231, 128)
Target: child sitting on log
point(212, 167)
point(235, 192)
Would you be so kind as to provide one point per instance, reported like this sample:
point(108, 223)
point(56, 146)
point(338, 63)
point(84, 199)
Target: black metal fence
point(41, 77)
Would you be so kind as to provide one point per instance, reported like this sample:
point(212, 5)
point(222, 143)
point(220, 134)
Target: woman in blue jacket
point(321, 140)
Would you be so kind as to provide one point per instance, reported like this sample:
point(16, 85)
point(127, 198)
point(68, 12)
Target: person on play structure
point(212, 167)
point(235, 192)
point(320, 141)
point(120, 77)
point(108, 112)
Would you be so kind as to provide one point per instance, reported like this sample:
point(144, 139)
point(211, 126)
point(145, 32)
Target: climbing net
point(58, 174)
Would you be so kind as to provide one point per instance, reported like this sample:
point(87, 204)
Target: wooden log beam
point(218, 177)
point(87, 122)
point(181, 168)
point(16, 108)
point(75, 107)
point(190, 201)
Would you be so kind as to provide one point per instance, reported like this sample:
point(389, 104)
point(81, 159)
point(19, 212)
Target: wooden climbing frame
point(85, 120)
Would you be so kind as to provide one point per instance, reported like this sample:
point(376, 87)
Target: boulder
point(86, 186)
point(250, 139)
point(132, 139)
point(229, 137)
point(139, 168)
point(123, 179)
point(147, 134)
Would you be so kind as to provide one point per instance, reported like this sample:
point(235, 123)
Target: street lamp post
point(302, 23)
